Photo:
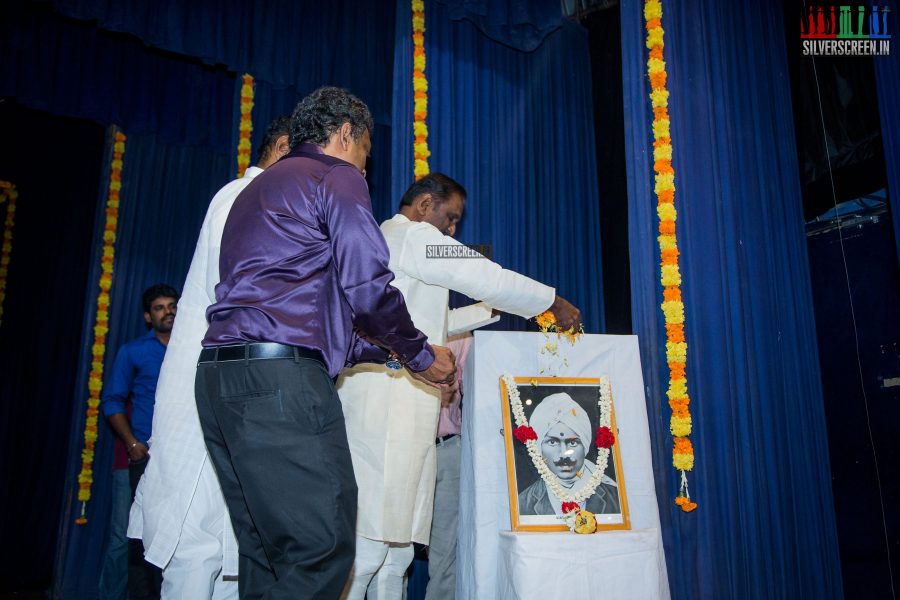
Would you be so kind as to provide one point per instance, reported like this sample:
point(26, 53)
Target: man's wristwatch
point(393, 362)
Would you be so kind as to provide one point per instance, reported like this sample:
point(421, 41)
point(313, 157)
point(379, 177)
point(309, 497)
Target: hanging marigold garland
point(670, 275)
point(245, 126)
point(101, 327)
point(8, 195)
point(420, 91)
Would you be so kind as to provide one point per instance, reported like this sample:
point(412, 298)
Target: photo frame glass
point(564, 414)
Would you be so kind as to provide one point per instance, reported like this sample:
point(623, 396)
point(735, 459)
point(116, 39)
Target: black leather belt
point(444, 438)
point(257, 351)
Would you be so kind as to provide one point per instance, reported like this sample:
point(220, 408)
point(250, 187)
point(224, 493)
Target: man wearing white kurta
point(179, 511)
point(391, 418)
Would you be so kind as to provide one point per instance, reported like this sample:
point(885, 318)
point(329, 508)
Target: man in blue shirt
point(133, 377)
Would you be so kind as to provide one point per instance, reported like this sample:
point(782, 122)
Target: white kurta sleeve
point(478, 278)
point(470, 317)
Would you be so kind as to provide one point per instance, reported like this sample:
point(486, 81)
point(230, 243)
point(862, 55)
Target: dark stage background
point(55, 164)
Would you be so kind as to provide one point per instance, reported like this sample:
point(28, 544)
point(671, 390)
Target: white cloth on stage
point(171, 489)
point(494, 562)
point(391, 418)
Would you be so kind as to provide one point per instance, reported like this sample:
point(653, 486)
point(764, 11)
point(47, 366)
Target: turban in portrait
point(560, 408)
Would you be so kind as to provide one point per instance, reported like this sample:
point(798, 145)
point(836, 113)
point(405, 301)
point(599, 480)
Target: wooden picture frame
point(527, 491)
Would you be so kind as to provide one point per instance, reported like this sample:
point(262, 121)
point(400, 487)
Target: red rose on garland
point(605, 437)
point(524, 433)
point(568, 507)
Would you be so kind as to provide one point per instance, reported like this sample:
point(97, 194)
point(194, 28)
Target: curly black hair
point(320, 114)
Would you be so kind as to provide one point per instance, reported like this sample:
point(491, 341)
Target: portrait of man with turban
point(565, 436)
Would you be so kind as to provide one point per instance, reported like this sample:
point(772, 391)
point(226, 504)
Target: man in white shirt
point(391, 418)
point(179, 511)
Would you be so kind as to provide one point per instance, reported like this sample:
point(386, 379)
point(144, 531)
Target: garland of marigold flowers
point(8, 195)
point(670, 275)
point(245, 126)
point(420, 91)
point(101, 327)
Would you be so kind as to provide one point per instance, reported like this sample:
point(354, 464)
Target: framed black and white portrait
point(562, 453)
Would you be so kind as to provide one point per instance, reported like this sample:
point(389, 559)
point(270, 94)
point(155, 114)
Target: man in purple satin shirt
point(305, 291)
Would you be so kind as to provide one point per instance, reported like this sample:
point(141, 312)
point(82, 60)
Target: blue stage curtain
point(765, 525)
point(887, 79)
point(516, 129)
point(71, 69)
point(165, 192)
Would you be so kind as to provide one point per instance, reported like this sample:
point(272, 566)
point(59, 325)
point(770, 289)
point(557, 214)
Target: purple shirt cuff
point(365, 351)
point(422, 360)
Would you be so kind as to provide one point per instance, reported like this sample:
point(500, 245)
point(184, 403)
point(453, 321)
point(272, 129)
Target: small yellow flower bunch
point(547, 323)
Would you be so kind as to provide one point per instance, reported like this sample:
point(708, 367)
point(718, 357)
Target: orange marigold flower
point(653, 24)
point(660, 112)
point(657, 52)
point(675, 332)
point(545, 320)
point(682, 446)
point(667, 227)
point(666, 196)
point(672, 293)
point(658, 80)
point(669, 256)
point(663, 166)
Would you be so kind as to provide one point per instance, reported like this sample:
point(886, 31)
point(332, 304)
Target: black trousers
point(144, 579)
point(275, 433)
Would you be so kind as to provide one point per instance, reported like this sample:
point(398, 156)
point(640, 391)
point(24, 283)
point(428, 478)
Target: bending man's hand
point(442, 370)
point(566, 314)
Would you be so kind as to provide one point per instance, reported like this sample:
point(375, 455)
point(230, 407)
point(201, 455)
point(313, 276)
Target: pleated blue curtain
point(765, 525)
point(516, 129)
point(165, 192)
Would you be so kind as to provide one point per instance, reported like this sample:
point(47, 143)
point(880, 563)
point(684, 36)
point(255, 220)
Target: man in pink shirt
point(442, 548)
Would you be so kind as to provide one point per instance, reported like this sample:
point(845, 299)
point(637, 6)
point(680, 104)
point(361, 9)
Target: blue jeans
point(114, 576)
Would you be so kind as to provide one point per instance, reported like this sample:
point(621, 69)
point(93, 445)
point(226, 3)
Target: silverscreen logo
point(849, 30)
point(458, 251)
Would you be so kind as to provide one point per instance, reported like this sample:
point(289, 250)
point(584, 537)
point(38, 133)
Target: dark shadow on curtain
point(516, 129)
point(765, 524)
point(887, 80)
point(874, 287)
point(71, 69)
point(514, 23)
point(605, 38)
point(284, 42)
point(55, 164)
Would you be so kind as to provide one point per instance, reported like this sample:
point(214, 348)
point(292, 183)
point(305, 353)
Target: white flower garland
point(534, 451)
